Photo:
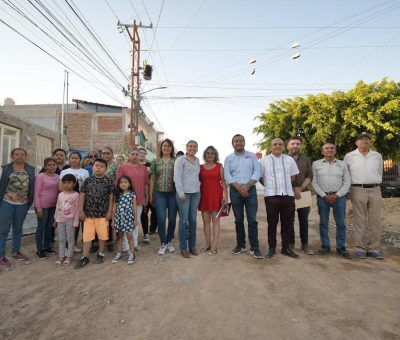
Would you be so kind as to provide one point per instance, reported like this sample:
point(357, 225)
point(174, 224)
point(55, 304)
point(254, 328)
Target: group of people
point(287, 177)
point(109, 199)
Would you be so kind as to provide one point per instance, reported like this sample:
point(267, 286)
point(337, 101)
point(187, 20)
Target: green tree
point(338, 117)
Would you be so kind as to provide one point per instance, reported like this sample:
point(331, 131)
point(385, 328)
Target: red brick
point(109, 124)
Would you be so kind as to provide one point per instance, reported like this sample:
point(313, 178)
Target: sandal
point(67, 261)
point(60, 260)
point(203, 250)
point(214, 252)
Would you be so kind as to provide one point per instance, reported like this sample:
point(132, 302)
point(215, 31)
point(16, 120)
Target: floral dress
point(124, 215)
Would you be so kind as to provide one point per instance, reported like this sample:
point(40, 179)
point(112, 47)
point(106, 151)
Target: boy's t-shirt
point(97, 192)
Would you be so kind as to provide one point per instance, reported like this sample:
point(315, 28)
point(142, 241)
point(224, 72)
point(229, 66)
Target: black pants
point(144, 219)
point(302, 214)
point(279, 207)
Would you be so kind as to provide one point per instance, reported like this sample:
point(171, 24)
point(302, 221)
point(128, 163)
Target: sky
point(200, 49)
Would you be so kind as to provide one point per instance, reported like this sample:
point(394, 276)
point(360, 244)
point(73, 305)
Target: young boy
point(95, 209)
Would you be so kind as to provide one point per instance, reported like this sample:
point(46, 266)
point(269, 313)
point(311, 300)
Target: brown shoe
point(185, 254)
point(307, 250)
point(194, 252)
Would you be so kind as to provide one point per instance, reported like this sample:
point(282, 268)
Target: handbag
point(224, 211)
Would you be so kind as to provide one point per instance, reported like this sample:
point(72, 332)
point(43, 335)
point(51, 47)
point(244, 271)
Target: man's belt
point(368, 186)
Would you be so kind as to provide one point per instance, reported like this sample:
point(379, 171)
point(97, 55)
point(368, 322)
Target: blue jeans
point(44, 229)
point(339, 213)
point(187, 218)
point(165, 201)
point(11, 215)
point(251, 205)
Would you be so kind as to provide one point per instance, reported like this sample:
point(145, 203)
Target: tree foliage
point(338, 117)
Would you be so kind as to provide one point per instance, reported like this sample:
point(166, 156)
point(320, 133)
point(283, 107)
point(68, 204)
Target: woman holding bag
point(213, 195)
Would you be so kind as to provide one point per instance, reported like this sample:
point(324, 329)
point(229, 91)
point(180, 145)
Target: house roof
point(80, 101)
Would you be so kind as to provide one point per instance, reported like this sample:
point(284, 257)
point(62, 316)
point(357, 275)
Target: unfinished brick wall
point(109, 124)
point(79, 130)
point(115, 141)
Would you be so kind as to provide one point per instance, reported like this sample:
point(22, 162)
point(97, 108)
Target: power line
point(257, 88)
point(323, 37)
point(269, 49)
point(65, 48)
point(155, 28)
point(58, 60)
point(363, 57)
point(77, 44)
point(154, 40)
point(147, 12)
point(187, 25)
point(304, 36)
point(149, 55)
point(269, 27)
point(224, 97)
point(134, 9)
point(113, 12)
point(90, 30)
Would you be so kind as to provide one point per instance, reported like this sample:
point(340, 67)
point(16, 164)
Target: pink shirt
point(67, 208)
point(46, 191)
point(139, 178)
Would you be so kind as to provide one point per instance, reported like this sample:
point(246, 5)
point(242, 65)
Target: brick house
point(37, 140)
point(90, 126)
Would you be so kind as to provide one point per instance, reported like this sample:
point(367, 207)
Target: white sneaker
point(170, 247)
point(77, 250)
point(132, 258)
point(162, 250)
point(146, 238)
point(117, 257)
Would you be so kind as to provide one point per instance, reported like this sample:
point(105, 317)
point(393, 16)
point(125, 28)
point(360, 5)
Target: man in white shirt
point(366, 169)
point(331, 182)
point(278, 172)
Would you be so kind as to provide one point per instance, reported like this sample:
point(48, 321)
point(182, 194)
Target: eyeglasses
point(210, 153)
point(106, 153)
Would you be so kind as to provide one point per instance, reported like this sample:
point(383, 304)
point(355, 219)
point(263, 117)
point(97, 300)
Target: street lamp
point(156, 88)
point(135, 113)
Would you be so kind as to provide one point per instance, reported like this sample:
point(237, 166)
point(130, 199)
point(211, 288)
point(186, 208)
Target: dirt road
point(208, 297)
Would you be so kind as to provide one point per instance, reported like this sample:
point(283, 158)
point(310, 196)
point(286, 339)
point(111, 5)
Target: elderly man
point(278, 172)
point(331, 182)
point(366, 169)
point(242, 171)
point(303, 180)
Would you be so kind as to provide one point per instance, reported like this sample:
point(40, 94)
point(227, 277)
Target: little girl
point(66, 218)
point(124, 217)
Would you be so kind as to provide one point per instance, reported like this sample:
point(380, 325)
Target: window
point(44, 146)
point(9, 139)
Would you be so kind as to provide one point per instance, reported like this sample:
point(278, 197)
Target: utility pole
point(62, 112)
point(135, 77)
